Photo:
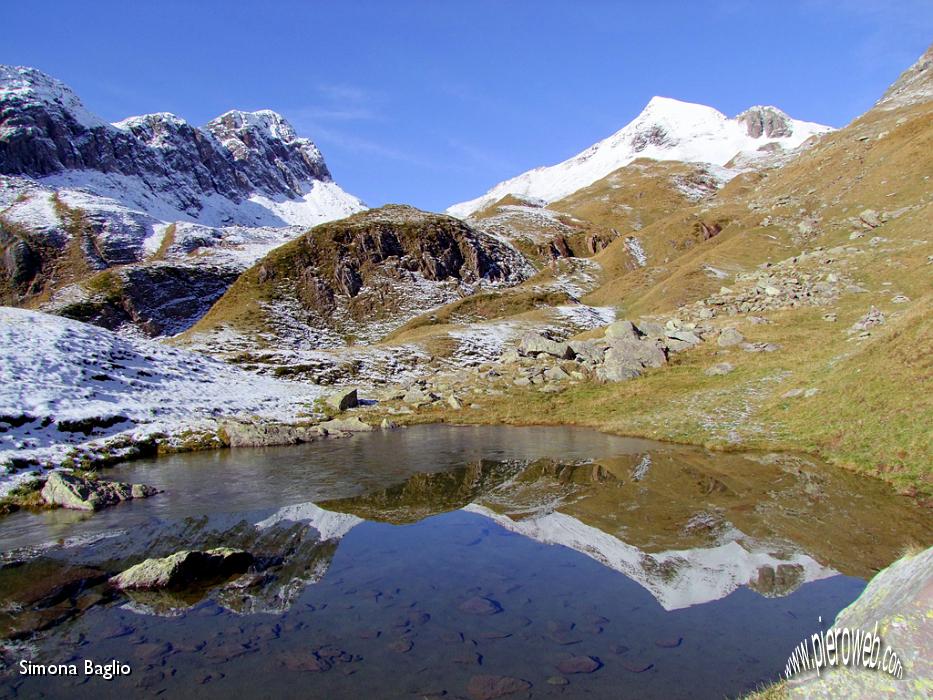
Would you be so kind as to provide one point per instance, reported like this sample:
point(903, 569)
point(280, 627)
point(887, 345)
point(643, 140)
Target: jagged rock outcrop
point(915, 85)
point(769, 122)
point(375, 269)
point(158, 298)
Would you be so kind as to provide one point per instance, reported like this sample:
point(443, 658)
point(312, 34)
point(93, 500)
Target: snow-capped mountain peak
point(30, 89)
point(242, 168)
point(666, 129)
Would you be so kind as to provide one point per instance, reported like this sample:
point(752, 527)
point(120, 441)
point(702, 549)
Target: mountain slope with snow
point(667, 129)
point(175, 212)
point(64, 383)
point(246, 168)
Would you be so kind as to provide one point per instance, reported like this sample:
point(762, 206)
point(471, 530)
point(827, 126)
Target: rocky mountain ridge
point(144, 223)
point(47, 133)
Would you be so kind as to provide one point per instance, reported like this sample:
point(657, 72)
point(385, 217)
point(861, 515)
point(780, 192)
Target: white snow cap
point(666, 129)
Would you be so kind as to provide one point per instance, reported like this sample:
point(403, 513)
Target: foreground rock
point(183, 568)
point(78, 493)
point(900, 601)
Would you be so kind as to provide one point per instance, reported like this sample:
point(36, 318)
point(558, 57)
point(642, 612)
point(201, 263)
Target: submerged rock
point(183, 568)
point(79, 493)
point(578, 664)
point(490, 687)
point(479, 605)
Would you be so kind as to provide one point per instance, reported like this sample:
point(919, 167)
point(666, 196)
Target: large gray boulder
point(183, 568)
point(345, 425)
point(534, 344)
point(652, 329)
point(342, 400)
point(622, 329)
point(899, 600)
point(78, 493)
point(248, 433)
point(645, 353)
point(616, 372)
point(588, 350)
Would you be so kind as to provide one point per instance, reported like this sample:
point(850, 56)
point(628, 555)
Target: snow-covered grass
point(57, 373)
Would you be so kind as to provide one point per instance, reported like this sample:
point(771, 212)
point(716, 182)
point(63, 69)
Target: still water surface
point(454, 562)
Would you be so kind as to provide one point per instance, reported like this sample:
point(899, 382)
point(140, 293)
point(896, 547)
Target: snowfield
point(667, 129)
point(56, 373)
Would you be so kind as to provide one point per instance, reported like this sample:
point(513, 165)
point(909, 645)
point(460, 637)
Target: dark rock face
point(769, 122)
point(160, 299)
point(342, 257)
point(45, 129)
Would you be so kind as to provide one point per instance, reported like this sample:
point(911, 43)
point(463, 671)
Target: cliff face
point(364, 275)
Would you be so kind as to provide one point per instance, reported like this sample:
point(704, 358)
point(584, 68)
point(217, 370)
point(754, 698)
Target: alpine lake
point(450, 562)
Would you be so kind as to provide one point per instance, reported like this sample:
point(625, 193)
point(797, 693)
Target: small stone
point(669, 642)
point(479, 605)
point(491, 687)
point(579, 664)
point(719, 369)
point(454, 402)
point(402, 646)
point(557, 680)
point(636, 666)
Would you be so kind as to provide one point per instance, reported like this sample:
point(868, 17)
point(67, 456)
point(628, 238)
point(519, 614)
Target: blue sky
point(432, 102)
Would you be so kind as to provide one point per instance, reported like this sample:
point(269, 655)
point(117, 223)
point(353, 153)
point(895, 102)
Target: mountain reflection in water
point(670, 563)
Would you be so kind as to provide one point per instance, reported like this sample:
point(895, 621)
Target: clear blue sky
point(432, 102)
